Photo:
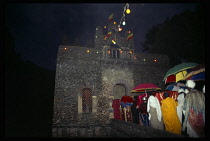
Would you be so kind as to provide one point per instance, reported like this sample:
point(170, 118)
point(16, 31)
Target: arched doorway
point(119, 91)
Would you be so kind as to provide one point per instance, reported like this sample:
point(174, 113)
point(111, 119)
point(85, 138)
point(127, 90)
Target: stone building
point(88, 79)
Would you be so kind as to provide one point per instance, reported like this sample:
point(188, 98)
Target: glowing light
point(88, 51)
point(155, 60)
point(104, 26)
point(120, 29)
point(65, 48)
point(96, 36)
point(109, 51)
point(123, 23)
point(115, 22)
point(97, 52)
point(131, 52)
point(144, 59)
point(129, 31)
point(128, 11)
point(121, 51)
point(113, 41)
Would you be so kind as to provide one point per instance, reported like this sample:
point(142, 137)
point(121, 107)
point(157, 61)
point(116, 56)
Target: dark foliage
point(182, 37)
point(28, 95)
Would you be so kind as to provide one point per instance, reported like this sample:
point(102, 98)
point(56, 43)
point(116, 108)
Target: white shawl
point(153, 101)
point(180, 99)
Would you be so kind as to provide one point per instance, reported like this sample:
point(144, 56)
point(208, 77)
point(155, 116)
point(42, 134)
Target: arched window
point(86, 100)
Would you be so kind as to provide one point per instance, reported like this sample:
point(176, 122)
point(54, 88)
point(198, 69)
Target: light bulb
point(123, 23)
point(128, 11)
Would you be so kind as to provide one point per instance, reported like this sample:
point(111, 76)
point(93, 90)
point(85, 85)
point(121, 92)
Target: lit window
point(86, 100)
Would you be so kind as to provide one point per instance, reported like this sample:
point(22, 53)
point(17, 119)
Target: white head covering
point(181, 90)
point(153, 101)
point(204, 89)
point(190, 84)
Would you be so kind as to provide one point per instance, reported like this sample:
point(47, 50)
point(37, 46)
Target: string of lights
point(122, 20)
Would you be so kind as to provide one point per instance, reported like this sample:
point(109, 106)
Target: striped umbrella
point(179, 71)
point(197, 73)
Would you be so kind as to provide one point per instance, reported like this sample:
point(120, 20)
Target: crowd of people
point(183, 115)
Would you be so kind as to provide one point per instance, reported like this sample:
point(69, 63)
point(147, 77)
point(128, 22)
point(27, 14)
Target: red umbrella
point(145, 86)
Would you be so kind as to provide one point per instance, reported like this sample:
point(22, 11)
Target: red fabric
point(116, 107)
point(139, 100)
point(172, 94)
point(127, 99)
point(197, 122)
point(143, 86)
point(171, 78)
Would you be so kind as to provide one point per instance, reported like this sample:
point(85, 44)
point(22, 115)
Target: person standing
point(143, 115)
point(154, 111)
point(170, 117)
point(194, 107)
point(179, 108)
point(135, 111)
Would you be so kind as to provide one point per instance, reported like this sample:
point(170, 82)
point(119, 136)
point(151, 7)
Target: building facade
point(88, 79)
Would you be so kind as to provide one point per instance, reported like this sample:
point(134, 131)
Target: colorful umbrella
point(179, 71)
point(145, 86)
point(197, 73)
point(175, 86)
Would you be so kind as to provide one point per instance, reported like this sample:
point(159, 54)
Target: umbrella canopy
point(145, 86)
point(175, 86)
point(196, 73)
point(179, 71)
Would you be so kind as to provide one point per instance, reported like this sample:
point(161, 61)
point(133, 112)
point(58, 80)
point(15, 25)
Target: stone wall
point(122, 129)
point(116, 129)
point(80, 67)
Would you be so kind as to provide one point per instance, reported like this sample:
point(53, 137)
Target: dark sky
point(39, 28)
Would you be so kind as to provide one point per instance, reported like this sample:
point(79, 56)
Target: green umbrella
point(179, 67)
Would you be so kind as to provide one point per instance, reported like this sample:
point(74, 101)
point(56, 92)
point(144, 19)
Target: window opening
point(86, 100)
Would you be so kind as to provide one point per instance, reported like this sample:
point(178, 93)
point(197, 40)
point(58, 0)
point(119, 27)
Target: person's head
point(166, 95)
point(149, 93)
point(190, 84)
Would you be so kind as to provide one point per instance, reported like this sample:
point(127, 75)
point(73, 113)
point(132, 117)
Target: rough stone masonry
point(88, 79)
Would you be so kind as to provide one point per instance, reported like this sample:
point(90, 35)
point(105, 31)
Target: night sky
point(39, 28)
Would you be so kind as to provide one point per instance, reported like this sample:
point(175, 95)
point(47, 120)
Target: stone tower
point(88, 79)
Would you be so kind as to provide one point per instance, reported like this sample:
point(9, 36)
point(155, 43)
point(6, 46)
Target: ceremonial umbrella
point(146, 86)
point(197, 73)
point(179, 71)
point(175, 86)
